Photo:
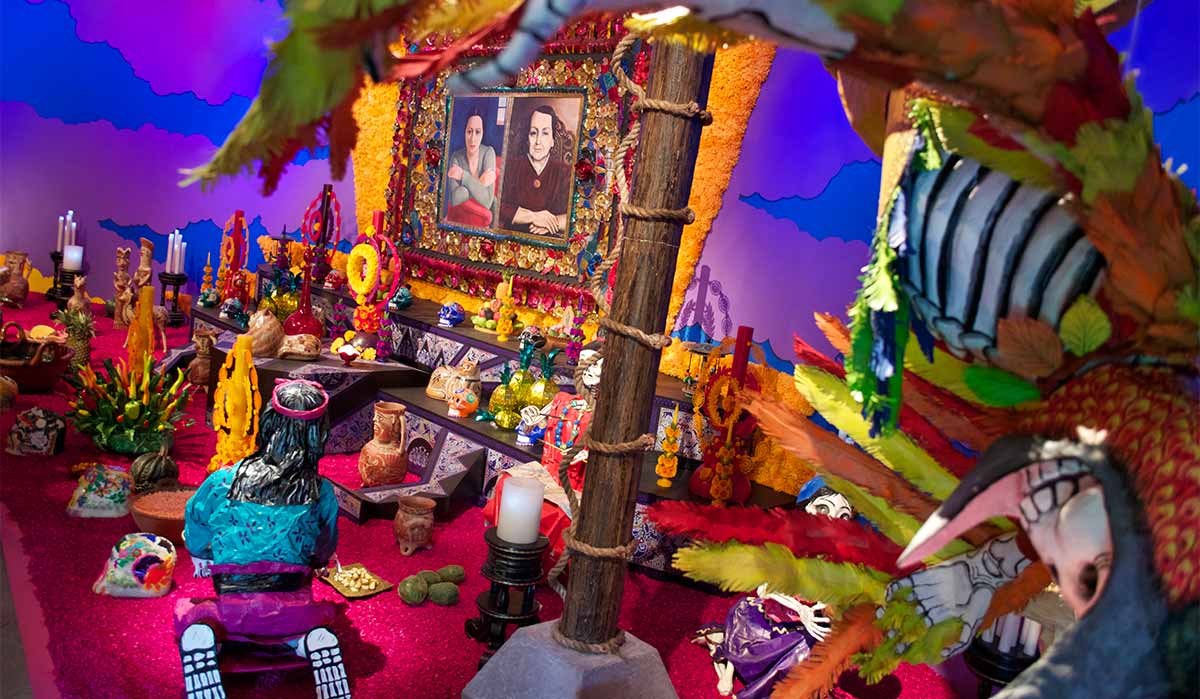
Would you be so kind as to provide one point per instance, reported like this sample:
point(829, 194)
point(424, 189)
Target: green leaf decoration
point(1085, 326)
point(998, 388)
point(1188, 303)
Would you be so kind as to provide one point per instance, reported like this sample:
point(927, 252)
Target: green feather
point(999, 388)
point(741, 568)
point(830, 397)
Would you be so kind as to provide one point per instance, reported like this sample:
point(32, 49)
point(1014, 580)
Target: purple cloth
point(256, 617)
point(761, 649)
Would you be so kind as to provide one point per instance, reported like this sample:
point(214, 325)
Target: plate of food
point(353, 581)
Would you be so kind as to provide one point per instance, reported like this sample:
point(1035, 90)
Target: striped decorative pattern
point(981, 247)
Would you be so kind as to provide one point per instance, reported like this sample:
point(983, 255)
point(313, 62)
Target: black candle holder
point(514, 571)
point(174, 281)
point(52, 293)
point(993, 667)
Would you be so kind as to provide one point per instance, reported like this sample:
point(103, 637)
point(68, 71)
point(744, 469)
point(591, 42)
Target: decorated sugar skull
point(452, 314)
point(532, 426)
point(533, 335)
point(463, 401)
point(103, 491)
point(829, 503)
point(140, 565)
point(38, 432)
point(402, 299)
point(591, 377)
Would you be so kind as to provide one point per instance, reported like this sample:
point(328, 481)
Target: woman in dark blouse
point(537, 181)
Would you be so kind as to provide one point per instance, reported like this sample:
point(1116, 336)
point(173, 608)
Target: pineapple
point(80, 331)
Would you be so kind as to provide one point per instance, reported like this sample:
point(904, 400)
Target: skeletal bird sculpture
point(1033, 245)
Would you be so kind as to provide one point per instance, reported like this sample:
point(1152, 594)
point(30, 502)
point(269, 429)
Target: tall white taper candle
point(61, 220)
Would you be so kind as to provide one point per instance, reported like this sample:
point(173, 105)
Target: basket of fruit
point(35, 361)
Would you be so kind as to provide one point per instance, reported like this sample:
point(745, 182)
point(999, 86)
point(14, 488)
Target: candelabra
point(514, 571)
point(52, 293)
point(998, 656)
point(173, 281)
point(63, 287)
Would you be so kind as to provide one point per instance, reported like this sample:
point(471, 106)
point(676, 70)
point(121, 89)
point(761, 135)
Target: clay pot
point(413, 525)
point(384, 459)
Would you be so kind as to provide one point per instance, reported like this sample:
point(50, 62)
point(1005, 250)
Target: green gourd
point(413, 590)
point(454, 574)
point(430, 577)
point(444, 594)
point(148, 470)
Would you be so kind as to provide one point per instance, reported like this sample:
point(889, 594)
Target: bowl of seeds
point(354, 581)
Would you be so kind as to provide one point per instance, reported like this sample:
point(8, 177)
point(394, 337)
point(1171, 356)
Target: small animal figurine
point(145, 270)
point(79, 301)
point(200, 368)
point(123, 308)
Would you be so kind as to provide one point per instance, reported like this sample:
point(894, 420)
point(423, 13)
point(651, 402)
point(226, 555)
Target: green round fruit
point(444, 594)
point(430, 577)
point(413, 590)
point(454, 574)
point(490, 325)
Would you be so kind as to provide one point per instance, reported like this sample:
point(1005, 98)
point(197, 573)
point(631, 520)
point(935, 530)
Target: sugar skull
point(140, 565)
point(591, 376)
point(463, 401)
point(532, 426)
point(452, 314)
point(37, 432)
point(402, 299)
point(533, 335)
point(103, 491)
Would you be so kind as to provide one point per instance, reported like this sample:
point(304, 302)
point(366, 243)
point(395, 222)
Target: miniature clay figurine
point(140, 565)
point(384, 459)
point(533, 335)
point(262, 574)
point(14, 278)
point(463, 401)
point(103, 491)
point(446, 377)
point(121, 282)
point(451, 315)
point(413, 525)
point(37, 432)
point(79, 301)
point(123, 308)
point(301, 347)
point(267, 332)
point(532, 427)
point(200, 368)
point(145, 269)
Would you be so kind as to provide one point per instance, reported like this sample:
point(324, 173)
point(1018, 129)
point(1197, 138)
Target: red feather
point(838, 540)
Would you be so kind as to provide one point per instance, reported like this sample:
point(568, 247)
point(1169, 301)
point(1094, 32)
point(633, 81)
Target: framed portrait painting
point(513, 181)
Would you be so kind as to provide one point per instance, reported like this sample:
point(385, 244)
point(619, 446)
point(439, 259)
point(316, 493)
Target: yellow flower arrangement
point(362, 271)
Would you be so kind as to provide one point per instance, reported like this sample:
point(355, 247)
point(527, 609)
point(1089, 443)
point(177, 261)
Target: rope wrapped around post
point(656, 341)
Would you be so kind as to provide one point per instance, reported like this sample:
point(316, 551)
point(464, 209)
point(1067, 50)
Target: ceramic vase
point(384, 460)
point(413, 525)
point(16, 288)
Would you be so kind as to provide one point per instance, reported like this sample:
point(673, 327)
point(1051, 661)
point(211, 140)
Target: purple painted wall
point(103, 102)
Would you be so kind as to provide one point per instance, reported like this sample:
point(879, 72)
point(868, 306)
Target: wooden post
point(666, 159)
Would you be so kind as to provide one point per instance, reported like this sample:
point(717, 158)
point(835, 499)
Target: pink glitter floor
point(106, 647)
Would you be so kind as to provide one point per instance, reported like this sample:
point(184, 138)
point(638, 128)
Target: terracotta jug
point(384, 461)
point(413, 525)
point(15, 286)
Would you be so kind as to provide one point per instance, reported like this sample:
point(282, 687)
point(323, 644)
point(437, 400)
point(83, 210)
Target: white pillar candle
point(74, 230)
point(61, 221)
point(170, 252)
point(72, 258)
point(1009, 633)
point(520, 510)
point(1030, 635)
point(182, 256)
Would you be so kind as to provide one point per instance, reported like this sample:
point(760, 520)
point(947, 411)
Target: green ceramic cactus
point(413, 590)
point(454, 574)
point(444, 594)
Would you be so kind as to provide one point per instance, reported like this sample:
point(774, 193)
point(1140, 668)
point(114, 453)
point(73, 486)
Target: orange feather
point(1012, 597)
point(814, 678)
